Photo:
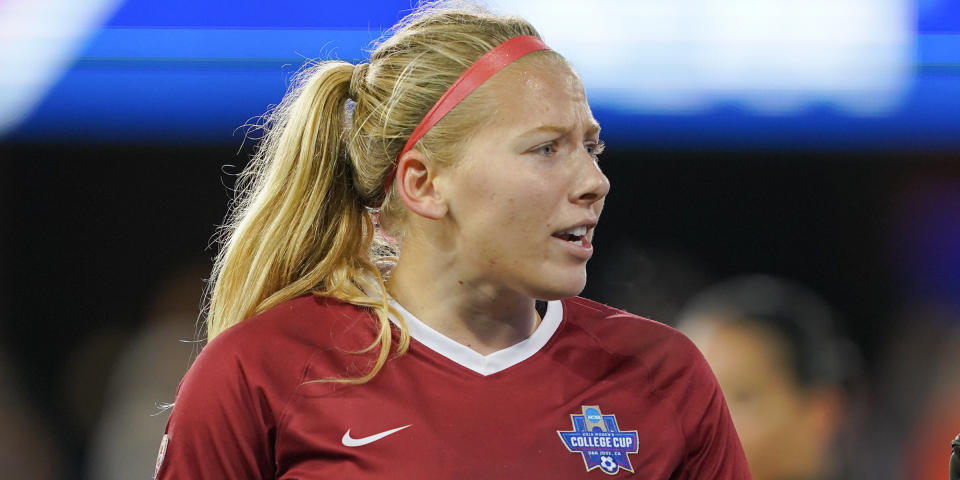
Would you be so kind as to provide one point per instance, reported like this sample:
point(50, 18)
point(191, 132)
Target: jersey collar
point(484, 364)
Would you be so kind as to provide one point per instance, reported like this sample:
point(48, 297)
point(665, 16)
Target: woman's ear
point(416, 185)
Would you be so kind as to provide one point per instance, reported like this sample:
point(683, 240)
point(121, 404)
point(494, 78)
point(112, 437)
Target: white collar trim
point(469, 358)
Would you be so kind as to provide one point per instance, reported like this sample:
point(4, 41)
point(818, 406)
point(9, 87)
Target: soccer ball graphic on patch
point(608, 465)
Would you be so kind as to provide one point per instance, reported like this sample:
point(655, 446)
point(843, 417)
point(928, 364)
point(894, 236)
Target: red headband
point(484, 68)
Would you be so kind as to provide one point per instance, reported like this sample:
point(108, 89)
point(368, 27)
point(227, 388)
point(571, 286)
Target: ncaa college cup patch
point(598, 438)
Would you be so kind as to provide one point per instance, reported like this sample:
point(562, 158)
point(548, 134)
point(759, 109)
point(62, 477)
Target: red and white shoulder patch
point(161, 454)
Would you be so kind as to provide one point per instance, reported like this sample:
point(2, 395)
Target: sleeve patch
point(161, 454)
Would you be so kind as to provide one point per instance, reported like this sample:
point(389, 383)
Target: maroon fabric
point(244, 412)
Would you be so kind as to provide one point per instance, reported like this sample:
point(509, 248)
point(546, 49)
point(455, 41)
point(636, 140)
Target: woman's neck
point(465, 307)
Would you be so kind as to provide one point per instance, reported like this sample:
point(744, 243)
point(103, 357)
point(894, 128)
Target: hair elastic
point(484, 68)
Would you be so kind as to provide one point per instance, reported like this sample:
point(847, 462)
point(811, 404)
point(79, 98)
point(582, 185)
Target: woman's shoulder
point(626, 334)
point(672, 367)
point(238, 388)
point(276, 347)
point(312, 321)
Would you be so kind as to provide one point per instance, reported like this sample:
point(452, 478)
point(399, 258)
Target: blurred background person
point(921, 360)
point(782, 365)
point(28, 450)
point(142, 385)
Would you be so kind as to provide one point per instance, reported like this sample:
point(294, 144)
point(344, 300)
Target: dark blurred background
point(121, 143)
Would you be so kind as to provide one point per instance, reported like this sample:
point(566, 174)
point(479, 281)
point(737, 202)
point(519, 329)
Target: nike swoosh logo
point(349, 441)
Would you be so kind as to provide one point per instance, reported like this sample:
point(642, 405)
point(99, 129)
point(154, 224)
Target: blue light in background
point(927, 241)
point(275, 14)
point(183, 72)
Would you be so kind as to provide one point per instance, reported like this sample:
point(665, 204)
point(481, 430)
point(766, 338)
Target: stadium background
point(122, 138)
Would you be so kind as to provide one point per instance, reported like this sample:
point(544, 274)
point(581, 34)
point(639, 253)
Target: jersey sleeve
point(222, 423)
point(677, 373)
point(713, 447)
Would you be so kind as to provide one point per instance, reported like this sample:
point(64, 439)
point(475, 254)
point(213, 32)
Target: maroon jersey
point(593, 391)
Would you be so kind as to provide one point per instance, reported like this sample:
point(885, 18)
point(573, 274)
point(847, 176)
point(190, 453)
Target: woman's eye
point(595, 149)
point(547, 149)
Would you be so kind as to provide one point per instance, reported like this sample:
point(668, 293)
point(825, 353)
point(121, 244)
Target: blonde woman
point(468, 355)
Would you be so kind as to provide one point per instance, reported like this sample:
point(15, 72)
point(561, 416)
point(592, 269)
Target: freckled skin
point(508, 200)
point(529, 172)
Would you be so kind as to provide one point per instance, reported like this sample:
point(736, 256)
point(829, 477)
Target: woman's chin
point(565, 287)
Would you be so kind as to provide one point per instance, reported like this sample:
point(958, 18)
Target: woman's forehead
point(544, 93)
point(540, 70)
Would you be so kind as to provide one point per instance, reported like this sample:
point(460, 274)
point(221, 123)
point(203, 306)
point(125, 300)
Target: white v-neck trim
point(484, 364)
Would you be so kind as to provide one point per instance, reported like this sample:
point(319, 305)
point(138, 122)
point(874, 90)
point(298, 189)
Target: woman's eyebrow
point(594, 128)
point(546, 128)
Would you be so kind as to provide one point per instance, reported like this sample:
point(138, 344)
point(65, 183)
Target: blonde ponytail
point(301, 221)
point(298, 226)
